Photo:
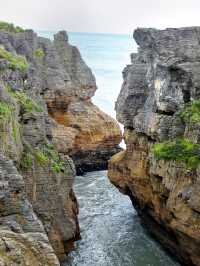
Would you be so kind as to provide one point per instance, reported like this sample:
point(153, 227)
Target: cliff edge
point(46, 115)
point(159, 107)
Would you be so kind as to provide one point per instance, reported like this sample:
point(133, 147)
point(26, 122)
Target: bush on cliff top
point(10, 27)
point(15, 61)
point(180, 150)
point(191, 112)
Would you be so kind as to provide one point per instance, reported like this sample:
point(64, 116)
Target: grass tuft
point(26, 102)
point(5, 110)
point(16, 62)
point(39, 53)
point(191, 112)
point(180, 150)
point(44, 156)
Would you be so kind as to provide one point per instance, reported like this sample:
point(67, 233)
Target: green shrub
point(5, 110)
point(44, 156)
point(15, 61)
point(191, 112)
point(57, 165)
point(10, 27)
point(180, 150)
point(41, 158)
point(39, 53)
point(26, 102)
point(26, 160)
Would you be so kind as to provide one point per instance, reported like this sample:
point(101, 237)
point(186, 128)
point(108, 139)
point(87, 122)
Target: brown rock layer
point(83, 131)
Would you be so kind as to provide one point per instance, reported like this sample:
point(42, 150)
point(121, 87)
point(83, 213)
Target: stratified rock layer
point(26, 138)
point(23, 240)
point(162, 79)
point(84, 132)
point(46, 115)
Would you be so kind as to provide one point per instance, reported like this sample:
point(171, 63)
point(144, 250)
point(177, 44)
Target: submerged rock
point(157, 104)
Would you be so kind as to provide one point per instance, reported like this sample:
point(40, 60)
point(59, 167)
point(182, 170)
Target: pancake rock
point(159, 108)
point(46, 115)
point(83, 131)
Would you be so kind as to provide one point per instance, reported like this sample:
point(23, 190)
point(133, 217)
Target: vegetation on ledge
point(16, 62)
point(10, 27)
point(8, 122)
point(26, 102)
point(46, 155)
point(39, 53)
point(5, 110)
point(191, 112)
point(180, 150)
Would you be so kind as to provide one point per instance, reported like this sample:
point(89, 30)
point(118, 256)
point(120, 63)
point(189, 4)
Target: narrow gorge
point(56, 145)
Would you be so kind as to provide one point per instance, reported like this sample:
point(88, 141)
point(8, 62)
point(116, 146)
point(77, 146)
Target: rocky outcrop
point(46, 115)
point(159, 107)
point(84, 132)
point(26, 138)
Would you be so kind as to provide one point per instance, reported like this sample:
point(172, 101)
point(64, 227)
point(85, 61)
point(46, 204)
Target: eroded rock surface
point(161, 81)
point(26, 138)
point(46, 115)
point(23, 240)
point(89, 135)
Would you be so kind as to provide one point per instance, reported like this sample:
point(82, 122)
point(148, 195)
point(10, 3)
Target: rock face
point(87, 134)
point(157, 104)
point(46, 115)
point(23, 240)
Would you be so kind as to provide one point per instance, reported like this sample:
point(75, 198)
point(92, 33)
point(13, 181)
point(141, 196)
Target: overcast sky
point(114, 16)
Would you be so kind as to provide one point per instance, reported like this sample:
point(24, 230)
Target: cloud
point(115, 16)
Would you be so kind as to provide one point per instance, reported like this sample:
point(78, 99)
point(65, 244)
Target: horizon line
point(85, 32)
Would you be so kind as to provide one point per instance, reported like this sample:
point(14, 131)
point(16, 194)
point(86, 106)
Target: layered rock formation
point(23, 240)
point(45, 115)
point(85, 132)
point(159, 108)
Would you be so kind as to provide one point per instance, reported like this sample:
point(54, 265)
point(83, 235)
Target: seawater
point(110, 227)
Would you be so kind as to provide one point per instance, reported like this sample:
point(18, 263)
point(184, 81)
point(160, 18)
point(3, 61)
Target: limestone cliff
point(83, 131)
point(159, 107)
point(45, 115)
